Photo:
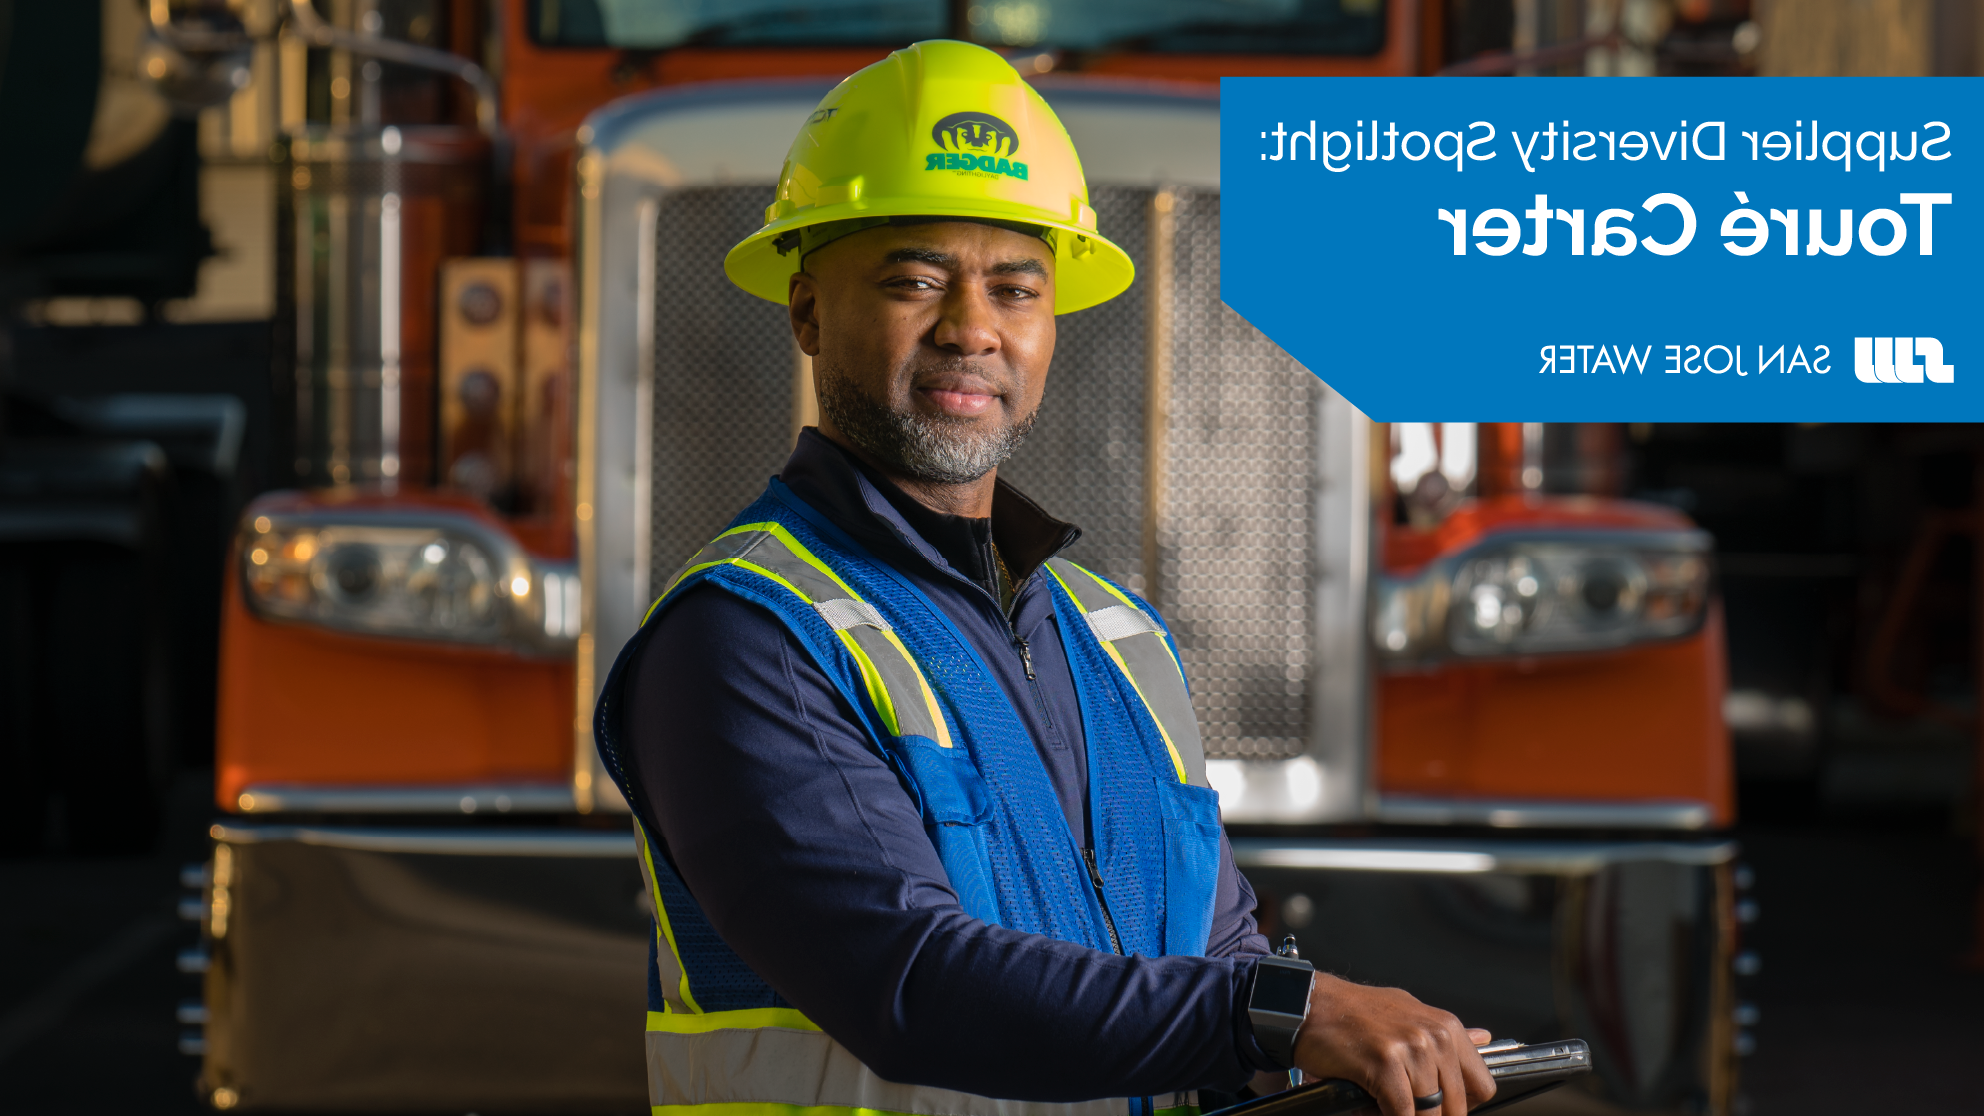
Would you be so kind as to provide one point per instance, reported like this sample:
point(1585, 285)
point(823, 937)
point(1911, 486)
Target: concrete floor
point(1865, 1009)
point(88, 986)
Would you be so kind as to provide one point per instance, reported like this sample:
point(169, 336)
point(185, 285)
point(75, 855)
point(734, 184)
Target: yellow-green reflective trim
point(779, 532)
point(741, 1019)
point(680, 575)
point(663, 926)
point(871, 678)
point(1177, 761)
point(929, 695)
point(685, 571)
point(878, 687)
point(1124, 597)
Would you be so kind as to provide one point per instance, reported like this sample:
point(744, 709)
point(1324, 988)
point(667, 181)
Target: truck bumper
point(1626, 944)
point(502, 969)
point(436, 969)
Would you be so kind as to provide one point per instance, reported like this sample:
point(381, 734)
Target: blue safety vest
point(717, 1033)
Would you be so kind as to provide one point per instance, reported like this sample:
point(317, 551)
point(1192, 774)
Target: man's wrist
point(1278, 1004)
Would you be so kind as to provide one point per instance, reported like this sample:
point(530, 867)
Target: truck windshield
point(1172, 26)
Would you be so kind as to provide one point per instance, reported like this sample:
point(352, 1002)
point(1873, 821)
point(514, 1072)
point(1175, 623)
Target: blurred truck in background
point(1462, 701)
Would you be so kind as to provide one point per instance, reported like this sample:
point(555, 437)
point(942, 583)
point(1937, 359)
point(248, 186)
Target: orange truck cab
point(1465, 719)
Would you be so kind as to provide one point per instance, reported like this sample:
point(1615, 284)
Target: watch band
point(1278, 1003)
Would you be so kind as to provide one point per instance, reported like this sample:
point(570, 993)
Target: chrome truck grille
point(1235, 540)
point(1232, 568)
point(1207, 469)
point(723, 369)
point(1085, 459)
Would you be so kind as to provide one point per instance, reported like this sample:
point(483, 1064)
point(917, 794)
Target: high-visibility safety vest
point(720, 1040)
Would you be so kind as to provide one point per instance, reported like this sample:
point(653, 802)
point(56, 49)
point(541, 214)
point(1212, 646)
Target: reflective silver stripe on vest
point(868, 630)
point(843, 614)
point(1119, 621)
point(668, 967)
point(854, 618)
point(786, 1065)
point(721, 549)
point(1139, 641)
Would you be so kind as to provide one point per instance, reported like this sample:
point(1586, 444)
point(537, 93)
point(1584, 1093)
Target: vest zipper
point(1033, 680)
point(1095, 877)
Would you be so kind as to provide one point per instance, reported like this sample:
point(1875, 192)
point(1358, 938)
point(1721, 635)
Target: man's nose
point(966, 326)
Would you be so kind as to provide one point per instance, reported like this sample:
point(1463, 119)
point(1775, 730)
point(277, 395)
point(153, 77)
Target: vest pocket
point(956, 806)
point(952, 790)
point(1191, 865)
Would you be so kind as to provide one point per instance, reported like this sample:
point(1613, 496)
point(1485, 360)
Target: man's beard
point(938, 449)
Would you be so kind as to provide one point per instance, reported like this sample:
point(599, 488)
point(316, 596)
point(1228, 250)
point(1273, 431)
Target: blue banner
point(1734, 249)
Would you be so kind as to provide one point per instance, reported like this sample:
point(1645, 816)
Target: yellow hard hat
point(938, 129)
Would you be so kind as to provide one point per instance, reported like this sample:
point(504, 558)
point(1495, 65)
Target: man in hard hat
point(923, 806)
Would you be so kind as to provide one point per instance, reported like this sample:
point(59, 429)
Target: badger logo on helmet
point(961, 159)
point(976, 133)
point(975, 142)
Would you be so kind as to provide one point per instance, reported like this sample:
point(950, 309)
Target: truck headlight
point(417, 575)
point(1538, 594)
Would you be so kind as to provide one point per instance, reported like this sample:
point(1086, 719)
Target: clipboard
point(1520, 1072)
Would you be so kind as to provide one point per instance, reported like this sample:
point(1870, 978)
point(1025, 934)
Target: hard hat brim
point(1088, 268)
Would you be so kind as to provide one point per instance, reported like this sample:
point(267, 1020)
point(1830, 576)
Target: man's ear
point(802, 304)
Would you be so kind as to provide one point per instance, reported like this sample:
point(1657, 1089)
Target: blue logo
point(1743, 249)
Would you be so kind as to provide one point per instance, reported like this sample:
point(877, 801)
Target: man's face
point(930, 343)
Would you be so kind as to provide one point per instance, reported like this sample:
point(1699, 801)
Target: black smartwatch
point(1278, 1004)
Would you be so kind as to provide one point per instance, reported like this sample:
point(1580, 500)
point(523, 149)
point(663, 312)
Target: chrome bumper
point(452, 968)
point(1626, 944)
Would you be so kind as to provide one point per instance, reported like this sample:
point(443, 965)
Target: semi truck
point(1462, 703)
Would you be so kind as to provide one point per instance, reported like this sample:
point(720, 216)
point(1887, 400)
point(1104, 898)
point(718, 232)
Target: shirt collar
point(887, 520)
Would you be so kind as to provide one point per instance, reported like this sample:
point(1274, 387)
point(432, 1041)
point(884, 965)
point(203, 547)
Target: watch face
point(1281, 988)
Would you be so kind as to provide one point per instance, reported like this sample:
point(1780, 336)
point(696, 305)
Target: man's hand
point(1394, 1046)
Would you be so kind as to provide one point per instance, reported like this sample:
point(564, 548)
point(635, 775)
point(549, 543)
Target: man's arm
point(1234, 932)
point(811, 861)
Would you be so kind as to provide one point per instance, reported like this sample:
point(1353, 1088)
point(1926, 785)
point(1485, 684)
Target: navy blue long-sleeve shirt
point(811, 861)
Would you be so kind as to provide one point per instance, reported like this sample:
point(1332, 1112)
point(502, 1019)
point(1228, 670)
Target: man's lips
point(959, 402)
point(964, 396)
